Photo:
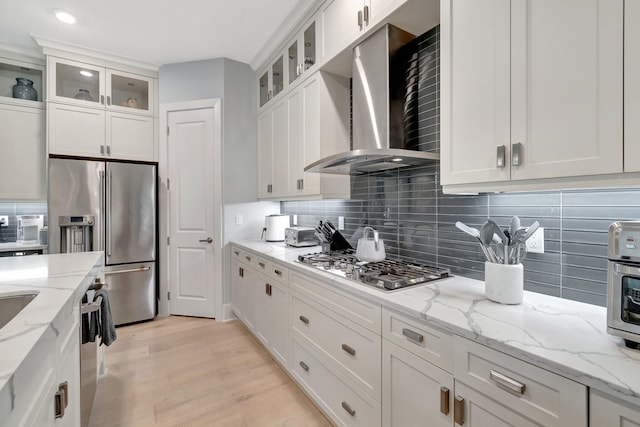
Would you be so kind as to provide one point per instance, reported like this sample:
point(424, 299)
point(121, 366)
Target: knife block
point(338, 242)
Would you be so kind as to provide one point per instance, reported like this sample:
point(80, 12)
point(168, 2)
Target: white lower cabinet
point(501, 390)
point(272, 320)
point(243, 280)
point(345, 405)
point(414, 391)
point(607, 411)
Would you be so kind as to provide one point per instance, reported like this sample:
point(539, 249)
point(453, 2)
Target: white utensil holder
point(503, 283)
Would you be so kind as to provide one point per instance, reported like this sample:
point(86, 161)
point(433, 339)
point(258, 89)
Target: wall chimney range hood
point(385, 108)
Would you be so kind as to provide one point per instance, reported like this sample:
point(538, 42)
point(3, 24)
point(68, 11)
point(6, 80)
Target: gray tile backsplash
point(416, 220)
point(12, 210)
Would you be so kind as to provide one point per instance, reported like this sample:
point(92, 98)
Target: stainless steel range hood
point(385, 108)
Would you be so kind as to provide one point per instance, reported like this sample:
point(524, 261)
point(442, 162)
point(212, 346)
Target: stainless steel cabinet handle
point(65, 389)
point(236, 252)
point(516, 154)
point(304, 320)
point(266, 288)
point(347, 408)
point(248, 258)
point(130, 270)
point(348, 349)
point(58, 404)
point(302, 184)
point(366, 15)
point(102, 149)
point(261, 264)
point(414, 336)
point(507, 382)
point(240, 271)
point(278, 272)
point(500, 157)
point(360, 19)
point(207, 240)
point(108, 100)
point(102, 99)
point(304, 366)
point(269, 188)
point(444, 400)
point(458, 410)
point(108, 150)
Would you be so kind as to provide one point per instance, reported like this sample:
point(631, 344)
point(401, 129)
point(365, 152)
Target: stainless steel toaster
point(300, 237)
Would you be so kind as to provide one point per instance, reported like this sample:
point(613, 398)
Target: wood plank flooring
point(190, 372)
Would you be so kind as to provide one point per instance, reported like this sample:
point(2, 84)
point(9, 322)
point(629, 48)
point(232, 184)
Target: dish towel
point(107, 330)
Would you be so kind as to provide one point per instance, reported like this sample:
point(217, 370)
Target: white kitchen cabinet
point(414, 390)
point(271, 81)
point(23, 164)
point(631, 86)
point(272, 319)
point(15, 67)
point(311, 122)
point(501, 390)
point(100, 112)
point(607, 411)
point(302, 53)
point(243, 283)
point(530, 89)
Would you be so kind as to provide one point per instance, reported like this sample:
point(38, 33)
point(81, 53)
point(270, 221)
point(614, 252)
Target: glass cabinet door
point(129, 93)
point(294, 63)
point(20, 82)
point(80, 83)
point(277, 76)
point(309, 46)
point(263, 88)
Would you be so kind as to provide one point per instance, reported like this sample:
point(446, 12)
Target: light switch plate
point(340, 223)
point(238, 219)
point(294, 220)
point(4, 220)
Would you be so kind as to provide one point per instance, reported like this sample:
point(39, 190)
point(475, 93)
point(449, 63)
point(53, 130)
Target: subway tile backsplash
point(12, 210)
point(417, 221)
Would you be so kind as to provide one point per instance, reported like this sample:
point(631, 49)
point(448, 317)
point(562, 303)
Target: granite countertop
point(59, 280)
point(566, 337)
point(15, 246)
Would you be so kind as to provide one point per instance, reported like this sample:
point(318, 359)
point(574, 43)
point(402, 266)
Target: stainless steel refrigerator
point(109, 206)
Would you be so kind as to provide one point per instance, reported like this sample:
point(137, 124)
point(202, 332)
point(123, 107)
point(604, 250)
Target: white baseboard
point(227, 314)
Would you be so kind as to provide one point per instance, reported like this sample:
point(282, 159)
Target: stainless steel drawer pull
point(240, 271)
point(414, 336)
point(348, 349)
point(507, 382)
point(58, 404)
point(236, 252)
point(262, 264)
point(304, 320)
point(347, 408)
point(248, 258)
point(278, 272)
point(458, 410)
point(444, 400)
point(304, 366)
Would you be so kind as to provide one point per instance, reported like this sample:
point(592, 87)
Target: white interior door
point(192, 241)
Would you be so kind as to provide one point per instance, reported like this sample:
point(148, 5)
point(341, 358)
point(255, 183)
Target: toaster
point(300, 237)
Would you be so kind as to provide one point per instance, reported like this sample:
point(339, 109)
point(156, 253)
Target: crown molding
point(29, 54)
point(54, 47)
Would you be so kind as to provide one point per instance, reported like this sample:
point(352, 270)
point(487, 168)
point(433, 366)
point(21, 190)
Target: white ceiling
point(155, 31)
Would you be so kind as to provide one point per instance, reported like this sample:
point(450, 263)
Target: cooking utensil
point(370, 247)
point(474, 232)
point(515, 225)
point(530, 230)
point(504, 239)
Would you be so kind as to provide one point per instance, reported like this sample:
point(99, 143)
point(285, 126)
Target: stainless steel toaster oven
point(300, 237)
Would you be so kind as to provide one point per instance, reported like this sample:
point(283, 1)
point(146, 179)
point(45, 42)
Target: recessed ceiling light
point(397, 159)
point(86, 73)
point(65, 17)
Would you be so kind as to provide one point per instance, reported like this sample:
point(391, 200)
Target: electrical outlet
point(535, 243)
point(340, 223)
point(294, 219)
point(238, 219)
point(4, 221)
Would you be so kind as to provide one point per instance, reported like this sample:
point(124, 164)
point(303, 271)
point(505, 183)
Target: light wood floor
point(182, 371)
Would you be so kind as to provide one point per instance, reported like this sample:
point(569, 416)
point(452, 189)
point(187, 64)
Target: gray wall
point(416, 219)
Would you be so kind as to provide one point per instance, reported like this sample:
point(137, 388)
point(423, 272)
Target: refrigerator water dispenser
point(76, 233)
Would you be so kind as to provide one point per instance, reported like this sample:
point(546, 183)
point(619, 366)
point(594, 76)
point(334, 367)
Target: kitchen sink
point(11, 305)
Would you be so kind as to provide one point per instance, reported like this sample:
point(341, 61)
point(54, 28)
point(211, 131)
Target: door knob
point(207, 240)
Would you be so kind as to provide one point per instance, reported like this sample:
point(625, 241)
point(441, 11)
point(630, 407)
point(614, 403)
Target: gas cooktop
point(386, 275)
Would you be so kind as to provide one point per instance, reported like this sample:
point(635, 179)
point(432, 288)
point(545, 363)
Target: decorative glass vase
point(84, 95)
point(24, 89)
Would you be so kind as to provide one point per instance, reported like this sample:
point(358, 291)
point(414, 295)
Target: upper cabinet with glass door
point(89, 85)
point(302, 52)
point(21, 83)
point(271, 81)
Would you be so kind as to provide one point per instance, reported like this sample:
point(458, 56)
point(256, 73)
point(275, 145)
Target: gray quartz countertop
point(566, 337)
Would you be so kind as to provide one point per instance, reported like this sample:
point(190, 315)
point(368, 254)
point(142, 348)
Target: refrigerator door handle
point(108, 214)
point(102, 195)
point(131, 270)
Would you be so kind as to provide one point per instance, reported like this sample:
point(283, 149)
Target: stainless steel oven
point(623, 282)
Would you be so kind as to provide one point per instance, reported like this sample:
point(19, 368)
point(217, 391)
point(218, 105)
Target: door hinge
point(168, 239)
point(169, 295)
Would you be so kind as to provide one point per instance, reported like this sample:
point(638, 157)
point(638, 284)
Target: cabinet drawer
point(356, 309)
point(341, 403)
point(272, 269)
point(429, 343)
point(243, 256)
point(354, 350)
point(536, 393)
